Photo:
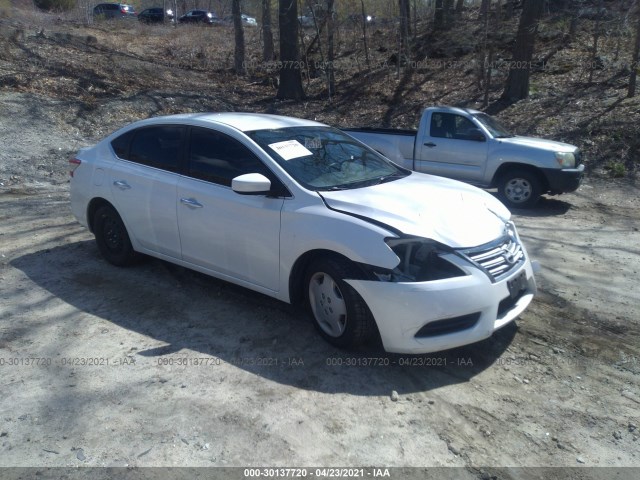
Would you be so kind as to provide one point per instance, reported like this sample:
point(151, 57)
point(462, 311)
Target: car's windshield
point(496, 129)
point(324, 158)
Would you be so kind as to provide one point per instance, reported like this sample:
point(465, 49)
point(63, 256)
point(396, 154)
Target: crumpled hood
point(539, 143)
point(447, 211)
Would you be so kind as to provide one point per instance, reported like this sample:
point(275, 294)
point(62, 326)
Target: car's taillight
point(75, 163)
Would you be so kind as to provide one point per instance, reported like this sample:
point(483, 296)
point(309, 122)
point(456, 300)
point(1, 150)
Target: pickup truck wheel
point(112, 237)
point(519, 189)
point(339, 313)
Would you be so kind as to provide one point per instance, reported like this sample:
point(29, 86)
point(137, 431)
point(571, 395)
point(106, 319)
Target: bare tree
point(596, 38)
point(238, 54)
point(267, 33)
point(635, 66)
point(517, 86)
point(290, 85)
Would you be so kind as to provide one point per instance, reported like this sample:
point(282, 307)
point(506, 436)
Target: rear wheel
point(519, 189)
point(112, 237)
point(339, 312)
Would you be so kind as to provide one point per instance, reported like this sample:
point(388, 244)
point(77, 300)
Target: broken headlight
point(421, 260)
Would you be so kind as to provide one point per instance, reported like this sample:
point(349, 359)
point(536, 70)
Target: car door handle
point(191, 202)
point(430, 144)
point(122, 185)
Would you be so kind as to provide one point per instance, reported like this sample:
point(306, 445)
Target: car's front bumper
point(474, 306)
point(565, 180)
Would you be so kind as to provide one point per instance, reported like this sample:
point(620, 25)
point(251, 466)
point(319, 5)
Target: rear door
point(231, 234)
point(450, 148)
point(143, 184)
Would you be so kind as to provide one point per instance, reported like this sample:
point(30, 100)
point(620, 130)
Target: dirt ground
point(159, 366)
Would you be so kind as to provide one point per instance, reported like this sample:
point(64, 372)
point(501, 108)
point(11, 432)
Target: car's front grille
point(497, 258)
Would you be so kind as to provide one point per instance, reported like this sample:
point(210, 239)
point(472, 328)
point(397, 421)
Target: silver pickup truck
point(473, 147)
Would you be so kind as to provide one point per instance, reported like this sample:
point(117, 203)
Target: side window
point(158, 146)
point(218, 158)
point(450, 125)
point(464, 128)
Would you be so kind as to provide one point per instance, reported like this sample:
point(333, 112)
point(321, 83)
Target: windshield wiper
point(387, 178)
point(509, 135)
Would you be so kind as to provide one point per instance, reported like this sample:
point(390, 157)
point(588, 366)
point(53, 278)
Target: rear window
point(121, 144)
point(158, 146)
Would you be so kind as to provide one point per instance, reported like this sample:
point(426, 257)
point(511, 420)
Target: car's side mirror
point(251, 184)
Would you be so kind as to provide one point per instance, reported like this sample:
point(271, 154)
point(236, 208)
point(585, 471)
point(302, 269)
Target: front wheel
point(339, 312)
point(519, 189)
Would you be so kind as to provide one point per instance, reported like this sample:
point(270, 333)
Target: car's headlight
point(421, 260)
point(566, 159)
point(209, 15)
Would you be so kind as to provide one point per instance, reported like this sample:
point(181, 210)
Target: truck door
point(454, 147)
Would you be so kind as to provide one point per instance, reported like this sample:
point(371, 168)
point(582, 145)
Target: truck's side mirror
point(476, 135)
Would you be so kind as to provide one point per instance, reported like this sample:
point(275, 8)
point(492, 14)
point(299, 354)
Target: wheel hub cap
point(327, 304)
point(518, 190)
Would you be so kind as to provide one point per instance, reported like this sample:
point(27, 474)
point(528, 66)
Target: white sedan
point(305, 213)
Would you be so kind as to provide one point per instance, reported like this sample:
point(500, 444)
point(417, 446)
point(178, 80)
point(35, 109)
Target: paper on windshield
point(290, 149)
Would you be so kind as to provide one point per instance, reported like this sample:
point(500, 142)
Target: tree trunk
point(635, 66)
point(238, 30)
point(404, 31)
point(364, 36)
point(517, 86)
point(484, 9)
point(406, 5)
point(448, 13)
point(330, 49)
point(290, 86)
point(267, 33)
point(459, 7)
point(438, 16)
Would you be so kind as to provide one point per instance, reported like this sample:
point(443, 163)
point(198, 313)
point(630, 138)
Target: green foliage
point(5, 8)
point(55, 5)
point(616, 169)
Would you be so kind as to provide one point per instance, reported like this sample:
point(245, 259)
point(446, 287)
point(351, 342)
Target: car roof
point(243, 122)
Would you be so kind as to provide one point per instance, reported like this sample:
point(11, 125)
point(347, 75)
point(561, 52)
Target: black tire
point(519, 189)
point(339, 313)
point(112, 237)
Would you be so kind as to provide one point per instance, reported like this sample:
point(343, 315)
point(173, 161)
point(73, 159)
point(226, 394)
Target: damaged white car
point(305, 213)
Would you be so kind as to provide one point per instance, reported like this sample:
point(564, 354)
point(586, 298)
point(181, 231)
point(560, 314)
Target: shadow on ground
point(197, 316)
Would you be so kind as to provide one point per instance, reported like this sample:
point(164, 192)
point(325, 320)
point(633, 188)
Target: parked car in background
point(247, 21)
point(156, 15)
point(304, 213)
point(198, 16)
point(359, 19)
point(108, 11)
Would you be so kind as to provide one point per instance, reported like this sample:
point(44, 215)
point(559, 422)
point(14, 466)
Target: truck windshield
point(324, 158)
point(496, 129)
